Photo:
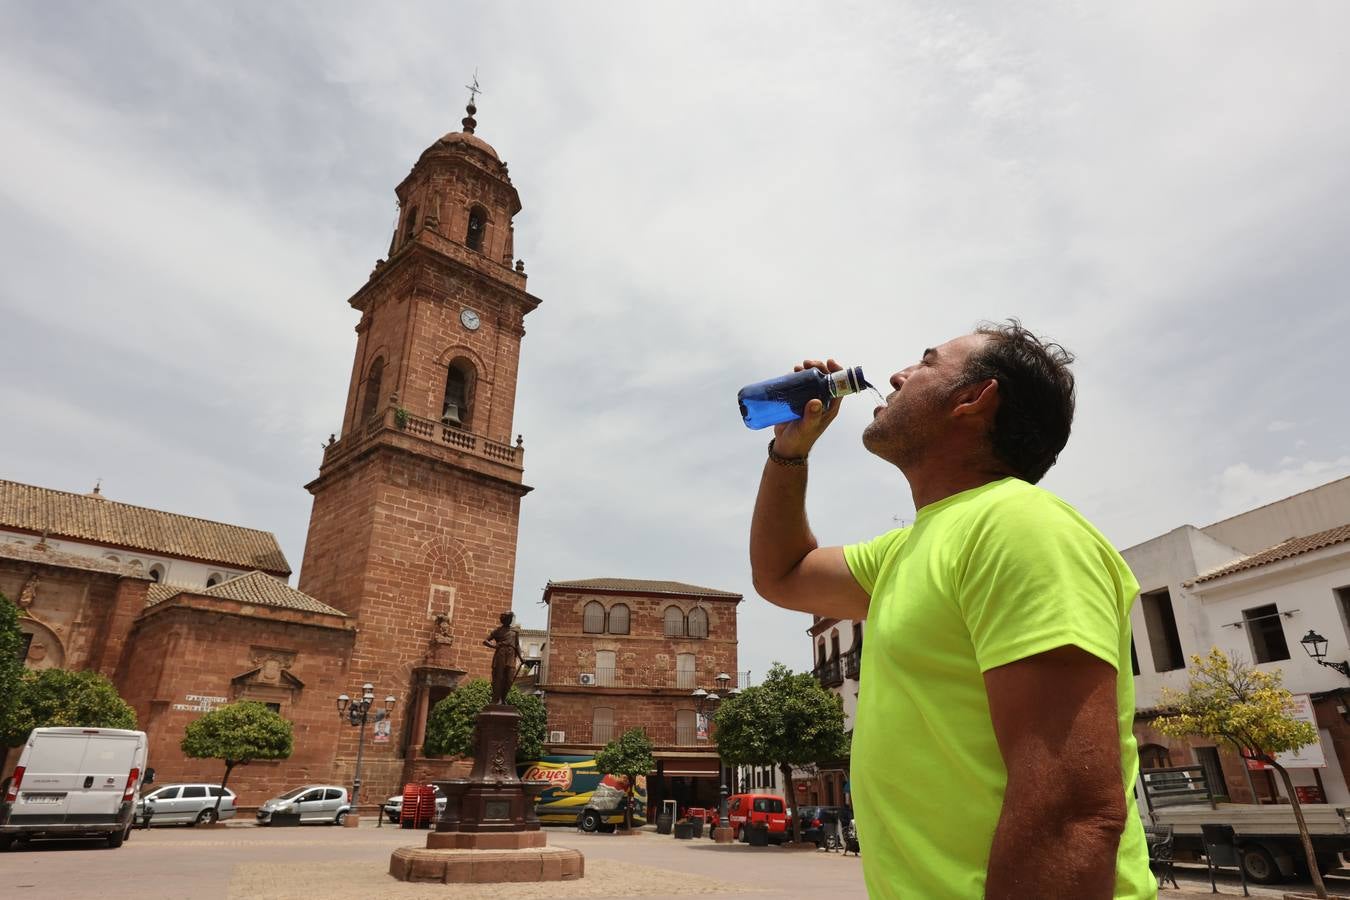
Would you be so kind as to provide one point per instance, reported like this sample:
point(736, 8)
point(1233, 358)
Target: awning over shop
point(690, 766)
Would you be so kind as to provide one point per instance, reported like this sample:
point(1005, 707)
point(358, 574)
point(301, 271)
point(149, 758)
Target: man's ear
point(978, 399)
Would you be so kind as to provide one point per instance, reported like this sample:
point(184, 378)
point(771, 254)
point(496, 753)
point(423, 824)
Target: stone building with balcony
point(659, 655)
point(837, 650)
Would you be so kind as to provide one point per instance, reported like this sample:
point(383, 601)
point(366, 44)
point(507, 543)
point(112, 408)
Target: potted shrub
point(684, 830)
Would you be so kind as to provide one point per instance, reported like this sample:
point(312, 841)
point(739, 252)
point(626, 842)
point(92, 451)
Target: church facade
point(410, 555)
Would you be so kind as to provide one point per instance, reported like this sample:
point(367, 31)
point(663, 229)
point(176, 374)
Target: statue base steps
point(486, 866)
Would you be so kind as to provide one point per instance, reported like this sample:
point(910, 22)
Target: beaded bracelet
point(784, 460)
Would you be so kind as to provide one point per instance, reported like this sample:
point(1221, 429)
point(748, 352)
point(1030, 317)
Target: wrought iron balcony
point(830, 673)
point(638, 677)
point(853, 663)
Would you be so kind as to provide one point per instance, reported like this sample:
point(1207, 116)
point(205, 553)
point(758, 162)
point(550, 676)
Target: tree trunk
point(628, 807)
point(229, 766)
point(791, 792)
point(1308, 851)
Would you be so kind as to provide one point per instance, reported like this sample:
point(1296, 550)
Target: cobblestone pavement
point(242, 862)
point(249, 863)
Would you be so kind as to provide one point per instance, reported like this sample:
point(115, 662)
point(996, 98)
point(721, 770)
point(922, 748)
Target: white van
point(74, 782)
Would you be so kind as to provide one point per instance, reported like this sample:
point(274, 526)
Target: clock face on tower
point(470, 319)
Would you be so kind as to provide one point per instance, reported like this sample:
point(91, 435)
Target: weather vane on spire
point(470, 123)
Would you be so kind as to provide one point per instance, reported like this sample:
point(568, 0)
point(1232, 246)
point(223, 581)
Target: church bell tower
point(417, 502)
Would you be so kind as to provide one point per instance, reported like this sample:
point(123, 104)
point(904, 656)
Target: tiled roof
point(90, 517)
point(49, 557)
point(159, 592)
point(255, 587)
point(1290, 548)
point(639, 585)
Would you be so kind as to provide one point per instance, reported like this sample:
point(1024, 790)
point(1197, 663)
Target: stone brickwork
point(191, 647)
point(78, 618)
point(646, 686)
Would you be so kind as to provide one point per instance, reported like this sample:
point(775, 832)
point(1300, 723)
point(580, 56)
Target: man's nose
point(898, 378)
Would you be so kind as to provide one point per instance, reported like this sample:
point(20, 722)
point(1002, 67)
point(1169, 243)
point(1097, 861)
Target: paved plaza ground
point(243, 862)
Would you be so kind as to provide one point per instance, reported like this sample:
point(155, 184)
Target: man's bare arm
point(1055, 718)
point(788, 566)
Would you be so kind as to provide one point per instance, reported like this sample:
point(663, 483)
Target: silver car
point(325, 803)
point(184, 804)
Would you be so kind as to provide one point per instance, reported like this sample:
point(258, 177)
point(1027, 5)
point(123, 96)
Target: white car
point(185, 804)
point(393, 807)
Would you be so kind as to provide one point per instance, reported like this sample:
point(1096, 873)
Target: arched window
point(459, 380)
point(618, 619)
point(410, 225)
point(370, 401)
point(857, 636)
point(834, 643)
point(698, 622)
point(477, 228)
point(213, 580)
point(156, 572)
point(111, 557)
point(820, 652)
point(602, 725)
point(593, 618)
point(674, 621)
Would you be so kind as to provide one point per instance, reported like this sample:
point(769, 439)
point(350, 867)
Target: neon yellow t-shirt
point(981, 579)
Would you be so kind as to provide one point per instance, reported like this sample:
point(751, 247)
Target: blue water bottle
point(784, 399)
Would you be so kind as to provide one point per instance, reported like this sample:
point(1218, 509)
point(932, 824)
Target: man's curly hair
point(1036, 396)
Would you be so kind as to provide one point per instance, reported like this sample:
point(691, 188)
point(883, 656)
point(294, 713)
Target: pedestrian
point(993, 754)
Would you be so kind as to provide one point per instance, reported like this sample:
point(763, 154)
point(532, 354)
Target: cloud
point(1240, 487)
point(1279, 425)
point(188, 196)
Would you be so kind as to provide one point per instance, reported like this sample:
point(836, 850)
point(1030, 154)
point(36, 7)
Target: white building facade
point(1254, 586)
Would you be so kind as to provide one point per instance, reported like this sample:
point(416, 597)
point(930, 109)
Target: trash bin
point(684, 831)
point(757, 834)
point(664, 822)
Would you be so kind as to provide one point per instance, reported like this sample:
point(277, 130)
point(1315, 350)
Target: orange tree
point(630, 757)
point(787, 721)
point(1249, 709)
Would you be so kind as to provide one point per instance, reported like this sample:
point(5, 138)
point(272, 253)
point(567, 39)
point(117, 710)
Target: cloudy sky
point(190, 191)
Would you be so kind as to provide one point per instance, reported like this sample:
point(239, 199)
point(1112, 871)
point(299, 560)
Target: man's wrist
point(782, 459)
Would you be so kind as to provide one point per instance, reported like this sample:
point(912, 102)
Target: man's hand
point(796, 438)
point(787, 565)
point(1056, 720)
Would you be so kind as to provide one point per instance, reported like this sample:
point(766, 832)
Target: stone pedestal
point(351, 821)
point(723, 834)
point(489, 831)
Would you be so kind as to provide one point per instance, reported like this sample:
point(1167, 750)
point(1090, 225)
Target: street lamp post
point(1316, 647)
point(357, 712)
point(708, 700)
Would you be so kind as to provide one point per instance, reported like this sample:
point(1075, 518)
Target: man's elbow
point(1103, 815)
point(1100, 810)
point(768, 588)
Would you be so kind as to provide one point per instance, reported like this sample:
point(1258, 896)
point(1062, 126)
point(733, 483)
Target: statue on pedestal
point(506, 659)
